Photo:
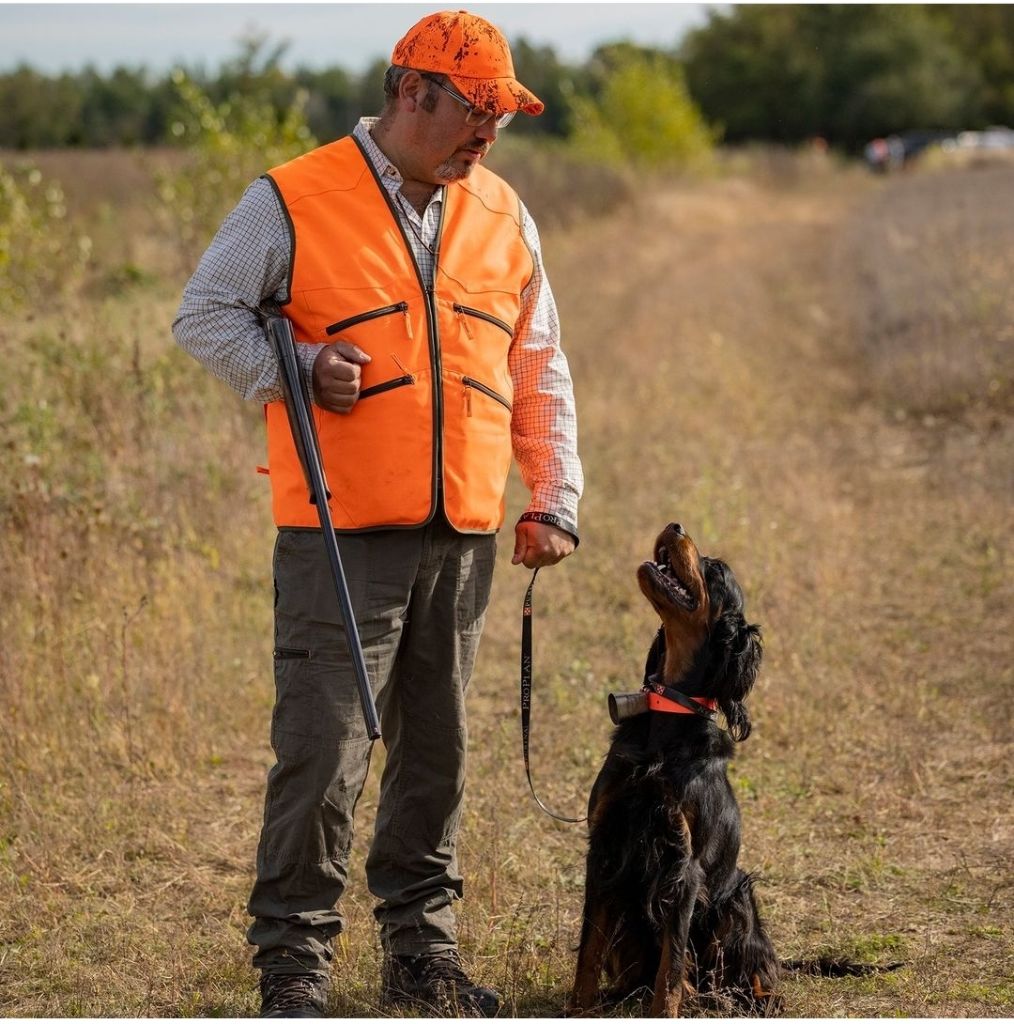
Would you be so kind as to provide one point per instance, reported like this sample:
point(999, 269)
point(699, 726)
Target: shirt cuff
point(307, 354)
point(551, 520)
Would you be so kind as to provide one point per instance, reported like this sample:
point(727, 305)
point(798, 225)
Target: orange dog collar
point(656, 702)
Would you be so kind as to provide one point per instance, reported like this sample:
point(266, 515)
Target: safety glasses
point(475, 118)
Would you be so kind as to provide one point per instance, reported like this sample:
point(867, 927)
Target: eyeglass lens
point(474, 118)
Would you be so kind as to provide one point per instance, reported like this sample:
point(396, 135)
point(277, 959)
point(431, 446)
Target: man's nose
point(488, 131)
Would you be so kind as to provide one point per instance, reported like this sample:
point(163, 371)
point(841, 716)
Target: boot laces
point(446, 968)
point(290, 991)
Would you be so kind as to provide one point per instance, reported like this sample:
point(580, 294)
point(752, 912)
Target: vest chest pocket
point(392, 309)
point(387, 385)
point(371, 314)
point(466, 313)
point(471, 384)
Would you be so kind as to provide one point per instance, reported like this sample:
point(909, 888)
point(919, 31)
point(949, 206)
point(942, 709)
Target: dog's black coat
point(666, 906)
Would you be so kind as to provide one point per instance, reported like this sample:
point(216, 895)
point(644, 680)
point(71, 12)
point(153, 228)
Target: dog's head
point(708, 644)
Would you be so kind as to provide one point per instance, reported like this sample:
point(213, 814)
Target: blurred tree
point(781, 73)
point(985, 36)
point(331, 102)
point(63, 99)
point(751, 72)
point(113, 110)
point(552, 82)
point(893, 70)
point(36, 111)
point(845, 72)
point(163, 104)
point(612, 57)
point(370, 91)
point(255, 76)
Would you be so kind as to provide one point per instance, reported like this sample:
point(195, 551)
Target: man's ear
point(412, 89)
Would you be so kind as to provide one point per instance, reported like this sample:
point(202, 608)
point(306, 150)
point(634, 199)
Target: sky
point(67, 37)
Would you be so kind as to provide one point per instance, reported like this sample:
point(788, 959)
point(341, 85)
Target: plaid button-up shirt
point(247, 263)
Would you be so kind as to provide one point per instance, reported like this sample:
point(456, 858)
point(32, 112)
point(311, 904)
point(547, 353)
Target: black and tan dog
point(666, 907)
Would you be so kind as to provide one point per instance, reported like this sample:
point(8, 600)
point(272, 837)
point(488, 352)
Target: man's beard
point(448, 172)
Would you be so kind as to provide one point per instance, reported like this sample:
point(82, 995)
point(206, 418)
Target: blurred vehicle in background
point(896, 151)
point(993, 138)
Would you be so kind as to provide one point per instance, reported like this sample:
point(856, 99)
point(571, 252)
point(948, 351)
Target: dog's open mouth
point(664, 576)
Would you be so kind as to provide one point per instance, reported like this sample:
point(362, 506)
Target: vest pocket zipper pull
point(408, 319)
point(468, 400)
point(464, 322)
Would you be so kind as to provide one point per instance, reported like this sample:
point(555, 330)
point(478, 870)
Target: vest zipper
point(438, 394)
point(464, 311)
point(387, 385)
point(438, 391)
point(470, 382)
point(359, 318)
point(436, 491)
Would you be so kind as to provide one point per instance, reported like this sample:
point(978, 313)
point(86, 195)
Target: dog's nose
point(677, 529)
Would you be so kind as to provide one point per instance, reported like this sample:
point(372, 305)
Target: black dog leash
point(526, 697)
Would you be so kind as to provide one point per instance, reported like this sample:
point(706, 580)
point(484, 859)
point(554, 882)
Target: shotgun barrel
point(304, 436)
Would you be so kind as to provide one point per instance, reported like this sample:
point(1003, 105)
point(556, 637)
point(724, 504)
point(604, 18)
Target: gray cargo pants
point(420, 598)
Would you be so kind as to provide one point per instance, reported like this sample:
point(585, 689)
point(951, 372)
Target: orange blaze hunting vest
point(434, 408)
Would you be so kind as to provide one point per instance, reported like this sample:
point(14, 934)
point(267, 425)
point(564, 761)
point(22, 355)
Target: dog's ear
point(656, 656)
point(736, 649)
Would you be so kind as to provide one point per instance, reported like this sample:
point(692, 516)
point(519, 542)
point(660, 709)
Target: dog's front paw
point(577, 1006)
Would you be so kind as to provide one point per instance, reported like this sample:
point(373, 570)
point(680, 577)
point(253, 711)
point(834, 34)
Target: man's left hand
point(539, 544)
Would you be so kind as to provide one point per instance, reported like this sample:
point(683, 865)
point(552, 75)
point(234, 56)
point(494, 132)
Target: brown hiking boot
point(293, 995)
point(435, 984)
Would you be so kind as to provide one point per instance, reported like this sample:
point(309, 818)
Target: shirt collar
point(389, 175)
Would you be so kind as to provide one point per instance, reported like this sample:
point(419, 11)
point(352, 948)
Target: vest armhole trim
point(524, 239)
point(290, 227)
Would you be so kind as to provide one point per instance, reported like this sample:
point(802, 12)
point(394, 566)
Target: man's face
point(442, 147)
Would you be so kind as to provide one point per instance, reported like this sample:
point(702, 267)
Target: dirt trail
point(720, 382)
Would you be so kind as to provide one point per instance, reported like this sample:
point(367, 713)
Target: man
point(414, 281)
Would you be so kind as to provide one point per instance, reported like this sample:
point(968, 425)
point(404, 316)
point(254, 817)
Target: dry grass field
point(810, 370)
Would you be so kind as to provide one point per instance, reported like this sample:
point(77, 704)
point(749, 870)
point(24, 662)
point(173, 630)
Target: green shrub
point(643, 115)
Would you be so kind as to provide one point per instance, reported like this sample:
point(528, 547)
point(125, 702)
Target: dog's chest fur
point(658, 783)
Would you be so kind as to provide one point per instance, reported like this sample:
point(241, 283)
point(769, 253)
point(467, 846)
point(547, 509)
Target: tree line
point(767, 73)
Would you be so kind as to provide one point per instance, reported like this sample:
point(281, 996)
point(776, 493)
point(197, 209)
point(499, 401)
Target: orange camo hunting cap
point(473, 54)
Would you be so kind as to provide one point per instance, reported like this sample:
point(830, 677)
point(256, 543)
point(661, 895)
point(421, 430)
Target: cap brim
point(498, 95)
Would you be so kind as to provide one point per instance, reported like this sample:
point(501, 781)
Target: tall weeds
point(42, 257)
point(929, 264)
